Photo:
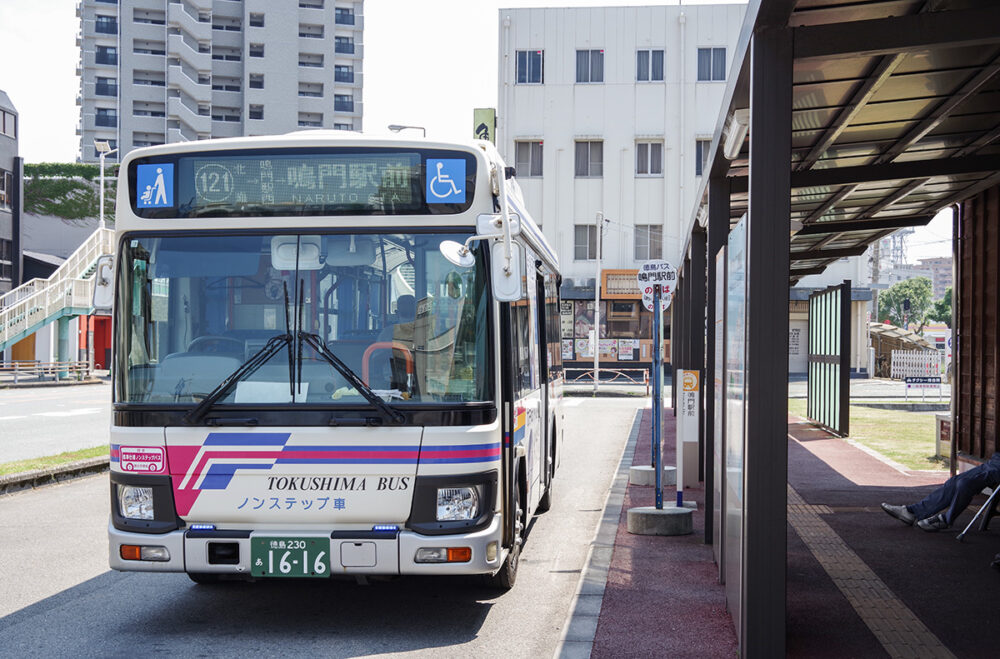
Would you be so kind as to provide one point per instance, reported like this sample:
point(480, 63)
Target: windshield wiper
point(352, 378)
point(246, 369)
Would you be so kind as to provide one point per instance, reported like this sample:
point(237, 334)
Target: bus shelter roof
point(894, 117)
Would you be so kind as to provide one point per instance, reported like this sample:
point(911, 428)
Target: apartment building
point(608, 112)
point(163, 71)
point(10, 203)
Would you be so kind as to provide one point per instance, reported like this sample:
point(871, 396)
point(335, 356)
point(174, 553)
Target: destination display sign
point(293, 182)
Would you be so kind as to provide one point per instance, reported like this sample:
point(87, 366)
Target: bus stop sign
point(656, 272)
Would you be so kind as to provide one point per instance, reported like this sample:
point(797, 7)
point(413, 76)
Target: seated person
point(939, 509)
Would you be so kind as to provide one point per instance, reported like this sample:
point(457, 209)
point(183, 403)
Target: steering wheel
point(214, 344)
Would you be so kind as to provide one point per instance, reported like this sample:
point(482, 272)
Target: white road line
point(10, 418)
point(76, 412)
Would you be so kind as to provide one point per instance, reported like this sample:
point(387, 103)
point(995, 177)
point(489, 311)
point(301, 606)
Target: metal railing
point(34, 371)
point(69, 287)
point(609, 376)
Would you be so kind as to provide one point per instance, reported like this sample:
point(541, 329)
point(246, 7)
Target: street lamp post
point(397, 127)
point(103, 150)
point(597, 303)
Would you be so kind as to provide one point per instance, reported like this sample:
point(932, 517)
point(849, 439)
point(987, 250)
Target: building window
point(106, 55)
point(343, 103)
point(256, 112)
point(256, 50)
point(342, 73)
point(344, 45)
point(311, 4)
point(256, 81)
point(529, 158)
point(584, 242)
point(648, 242)
point(711, 64)
point(8, 124)
point(649, 158)
point(106, 25)
point(311, 119)
point(256, 20)
point(343, 16)
point(589, 159)
point(311, 59)
point(106, 87)
point(649, 65)
point(590, 66)
point(107, 117)
point(311, 31)
point(343, 127)
point(311, 89)
point(6, 189)
point(701, 150)
point(530, 67)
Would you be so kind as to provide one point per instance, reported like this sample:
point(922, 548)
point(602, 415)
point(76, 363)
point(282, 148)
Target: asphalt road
point(42, 421)
point(58, 598)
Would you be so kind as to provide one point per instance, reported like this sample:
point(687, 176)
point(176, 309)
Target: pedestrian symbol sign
point(154, 185)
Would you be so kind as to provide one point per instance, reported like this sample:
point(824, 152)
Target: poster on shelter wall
point(567, 348)
point(566, 318)
point(627, 349)
point(584, 348)
point(794, 336)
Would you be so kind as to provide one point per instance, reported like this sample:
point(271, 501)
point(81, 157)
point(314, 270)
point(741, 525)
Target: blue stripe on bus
point(247, 439)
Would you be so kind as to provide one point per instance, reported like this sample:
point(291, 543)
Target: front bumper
point(189, 552)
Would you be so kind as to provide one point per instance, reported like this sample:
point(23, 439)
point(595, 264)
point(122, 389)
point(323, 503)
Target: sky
point(431, 77)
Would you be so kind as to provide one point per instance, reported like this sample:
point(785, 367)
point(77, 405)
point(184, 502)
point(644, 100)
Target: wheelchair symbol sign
point(445, 180)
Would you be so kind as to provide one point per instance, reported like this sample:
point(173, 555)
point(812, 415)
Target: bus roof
point(485, 153)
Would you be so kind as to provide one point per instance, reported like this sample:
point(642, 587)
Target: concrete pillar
point(63, 345)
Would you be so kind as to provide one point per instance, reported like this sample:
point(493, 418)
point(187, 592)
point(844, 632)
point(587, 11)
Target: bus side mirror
point(104, 289)
point(508, 283)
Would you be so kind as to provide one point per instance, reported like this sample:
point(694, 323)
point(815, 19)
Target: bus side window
point(522, 347)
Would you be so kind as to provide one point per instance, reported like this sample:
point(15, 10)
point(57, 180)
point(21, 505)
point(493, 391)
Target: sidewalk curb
point(580, 627)
point(31, 479)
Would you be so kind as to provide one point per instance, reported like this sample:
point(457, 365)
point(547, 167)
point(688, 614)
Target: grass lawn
point(52, 461)
point(905, 437)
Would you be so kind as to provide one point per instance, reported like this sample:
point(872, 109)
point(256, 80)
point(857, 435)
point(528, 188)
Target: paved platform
point(860, 583)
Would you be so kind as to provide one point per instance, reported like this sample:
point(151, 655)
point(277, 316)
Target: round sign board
point(656, 272)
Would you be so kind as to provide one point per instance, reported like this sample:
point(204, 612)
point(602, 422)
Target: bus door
point(543, 330)
point(528, 432)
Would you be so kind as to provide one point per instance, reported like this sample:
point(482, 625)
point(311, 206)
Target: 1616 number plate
point(289, 557)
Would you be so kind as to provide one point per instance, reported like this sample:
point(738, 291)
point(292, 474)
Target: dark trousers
point(957, 491)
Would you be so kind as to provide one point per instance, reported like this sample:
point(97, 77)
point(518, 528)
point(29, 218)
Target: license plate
point(289, 557)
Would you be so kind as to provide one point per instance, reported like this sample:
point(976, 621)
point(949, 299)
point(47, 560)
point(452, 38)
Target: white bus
point(334, 355)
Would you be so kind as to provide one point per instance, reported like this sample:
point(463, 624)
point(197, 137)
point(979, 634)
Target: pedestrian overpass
point(65, 294)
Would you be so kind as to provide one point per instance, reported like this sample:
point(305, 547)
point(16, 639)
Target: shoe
point(933, 523)
point(900, 513)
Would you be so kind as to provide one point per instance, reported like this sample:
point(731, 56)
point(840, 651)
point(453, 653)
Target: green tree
point(891, 301)
point(940, 311)
point(68, 190)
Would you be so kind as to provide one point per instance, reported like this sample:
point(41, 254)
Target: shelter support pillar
point(63, 345)
point(762, 627)
point(696, 335)
point(718, 230)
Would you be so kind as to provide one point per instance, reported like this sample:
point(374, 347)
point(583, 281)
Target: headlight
point(457, 503)
point(135, 502)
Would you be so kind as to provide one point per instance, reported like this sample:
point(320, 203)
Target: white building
point(158, 71)
point(610, 110)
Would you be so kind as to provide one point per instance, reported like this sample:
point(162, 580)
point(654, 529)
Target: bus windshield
point(193, 309)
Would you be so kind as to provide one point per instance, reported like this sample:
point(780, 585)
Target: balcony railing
point(105, 58)
point(344, 19)
point(342, 47)
point(343, 76)
point(341, 105)
point(106, 27)
point(106, 120)
point(106, 89)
